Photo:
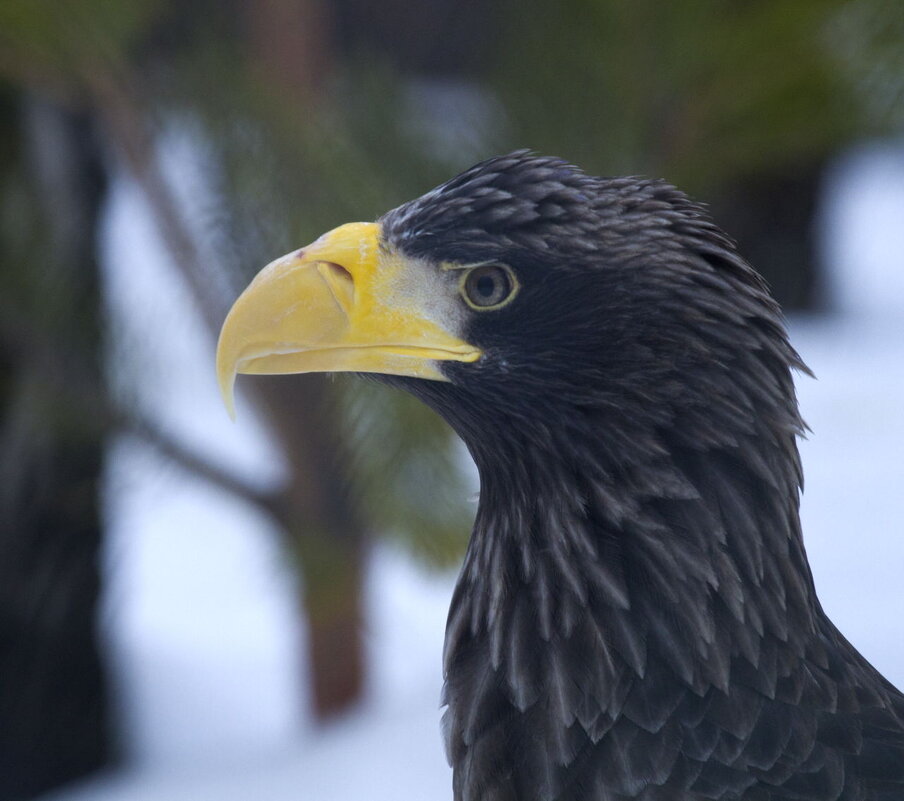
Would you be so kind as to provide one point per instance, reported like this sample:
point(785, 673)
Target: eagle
point(635, 616)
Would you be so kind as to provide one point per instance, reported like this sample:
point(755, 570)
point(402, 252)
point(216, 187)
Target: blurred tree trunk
point(53, 693)
point(290, 48)
point(325, 533)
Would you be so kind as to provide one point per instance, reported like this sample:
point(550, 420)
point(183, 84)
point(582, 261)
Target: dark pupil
point(488, 286)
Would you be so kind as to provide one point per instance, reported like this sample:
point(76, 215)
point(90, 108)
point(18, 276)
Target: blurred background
point(191, 608)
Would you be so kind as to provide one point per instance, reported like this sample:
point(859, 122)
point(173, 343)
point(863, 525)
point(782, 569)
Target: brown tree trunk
point(291, 47)
point(333, 576)
point(325, 533)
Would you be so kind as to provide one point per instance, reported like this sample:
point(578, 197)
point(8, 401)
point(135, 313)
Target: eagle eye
point(488, 286)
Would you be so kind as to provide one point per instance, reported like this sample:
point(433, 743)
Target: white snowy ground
point(198, 613)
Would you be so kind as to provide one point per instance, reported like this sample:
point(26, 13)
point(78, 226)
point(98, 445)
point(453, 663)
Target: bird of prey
point(635, 617)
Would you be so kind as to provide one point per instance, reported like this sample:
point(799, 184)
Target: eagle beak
point(341, 304)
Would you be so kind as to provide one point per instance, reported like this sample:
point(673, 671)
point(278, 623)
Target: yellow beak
point(340, 304)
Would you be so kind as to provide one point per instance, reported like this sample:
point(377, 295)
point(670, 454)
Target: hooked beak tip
point(226, 380)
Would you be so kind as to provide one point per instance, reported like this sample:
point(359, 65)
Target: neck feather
point(596, 587)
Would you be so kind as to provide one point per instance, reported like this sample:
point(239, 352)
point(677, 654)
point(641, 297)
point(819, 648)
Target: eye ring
point(488, 287)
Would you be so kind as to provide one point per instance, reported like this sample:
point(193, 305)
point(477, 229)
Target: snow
point(199, 612)
point(852, 518)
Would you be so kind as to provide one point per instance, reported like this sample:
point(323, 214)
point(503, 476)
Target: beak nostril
point(340, 271)
point(340, 282)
